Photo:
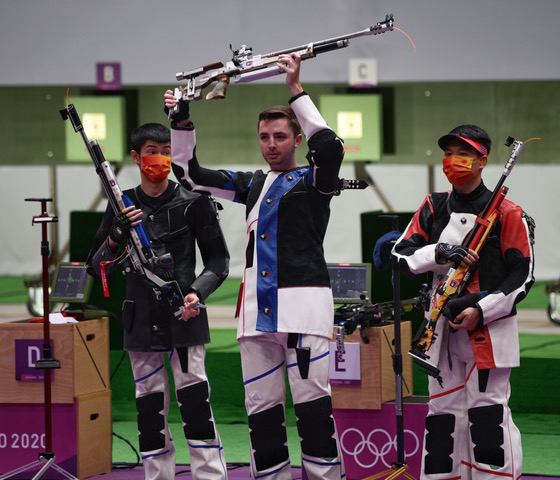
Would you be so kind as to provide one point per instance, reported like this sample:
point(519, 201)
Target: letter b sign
point(108, 76)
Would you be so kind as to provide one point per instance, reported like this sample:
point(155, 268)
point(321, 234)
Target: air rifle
point(364, 315)
point(140, 257)
point(245, 67)
point(425, 348)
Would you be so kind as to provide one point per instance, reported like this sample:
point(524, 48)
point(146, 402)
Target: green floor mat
point(223, 340)
point(235, 439)
point(540, 454)
point(12, 290)
point(538, 424)
point(534, 345)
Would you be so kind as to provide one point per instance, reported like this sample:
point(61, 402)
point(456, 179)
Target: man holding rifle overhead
point(174, 219)
point(285, 305)
point(469, 429)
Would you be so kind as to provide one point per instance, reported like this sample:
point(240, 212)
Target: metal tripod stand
point(398, 468)
point(47, 363)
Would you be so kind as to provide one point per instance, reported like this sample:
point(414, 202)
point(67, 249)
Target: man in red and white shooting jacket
point(469, 429)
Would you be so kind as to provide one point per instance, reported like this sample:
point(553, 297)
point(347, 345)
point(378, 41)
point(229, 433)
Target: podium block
point(377, 378)
point(81, 436)
point(368, 438)
point(81, 398)
point(82, 349)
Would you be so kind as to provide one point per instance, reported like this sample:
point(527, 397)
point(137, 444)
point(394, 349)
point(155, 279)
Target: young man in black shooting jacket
point(174, 219)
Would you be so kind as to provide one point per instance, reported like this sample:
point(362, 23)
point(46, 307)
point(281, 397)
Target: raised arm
point(326, 149)
point(229, 185)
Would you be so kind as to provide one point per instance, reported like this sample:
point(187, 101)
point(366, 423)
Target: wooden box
point(81, 437)
point(94, 435)
point(82, 349)
point(376, 369)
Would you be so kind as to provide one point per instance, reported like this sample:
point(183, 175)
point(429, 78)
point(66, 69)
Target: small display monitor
point(71, 283)
point(350, 282)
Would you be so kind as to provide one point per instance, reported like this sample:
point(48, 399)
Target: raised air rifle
point(140, 256)
point(425, 348)
point(245, 67)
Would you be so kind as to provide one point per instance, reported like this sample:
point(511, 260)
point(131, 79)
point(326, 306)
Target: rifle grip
point(220, 89)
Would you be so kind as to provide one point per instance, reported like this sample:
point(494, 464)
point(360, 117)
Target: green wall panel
point(31, 127)
point(33, 132)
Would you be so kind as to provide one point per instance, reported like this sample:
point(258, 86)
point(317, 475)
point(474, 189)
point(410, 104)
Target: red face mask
point(156, 168)
point(458, 169)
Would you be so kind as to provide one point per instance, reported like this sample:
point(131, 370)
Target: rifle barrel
point(366, 31)
point(516, 152)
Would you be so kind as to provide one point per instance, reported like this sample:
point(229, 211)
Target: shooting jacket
point(174, 221)
point(505, 267)
point(286, 286)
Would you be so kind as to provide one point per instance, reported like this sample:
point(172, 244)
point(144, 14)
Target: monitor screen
point(349, 281)
point(71, 283)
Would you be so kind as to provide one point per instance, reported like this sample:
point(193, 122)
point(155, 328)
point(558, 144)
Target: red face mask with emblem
point(156, 168)
point(458, 169)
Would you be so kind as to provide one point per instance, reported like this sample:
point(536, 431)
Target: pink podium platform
point(368, 438)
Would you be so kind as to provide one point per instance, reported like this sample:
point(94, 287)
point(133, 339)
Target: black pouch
point(128, 314)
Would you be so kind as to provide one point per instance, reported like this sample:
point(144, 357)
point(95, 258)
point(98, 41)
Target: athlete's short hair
point(280, 111)
point(149, 131)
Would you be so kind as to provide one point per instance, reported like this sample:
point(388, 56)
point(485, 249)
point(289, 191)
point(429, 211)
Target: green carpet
point(235, 438)
point(12, 290)
point(540, 436)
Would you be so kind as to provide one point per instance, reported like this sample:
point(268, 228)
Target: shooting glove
point(446, 252)
point(121, 227)
point(456, 305)
point(182, 112)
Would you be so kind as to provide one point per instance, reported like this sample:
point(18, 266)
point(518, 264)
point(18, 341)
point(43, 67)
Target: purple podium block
point(368, 438)
point(22, 437)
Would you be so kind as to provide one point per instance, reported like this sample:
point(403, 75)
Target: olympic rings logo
point(372, 443)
